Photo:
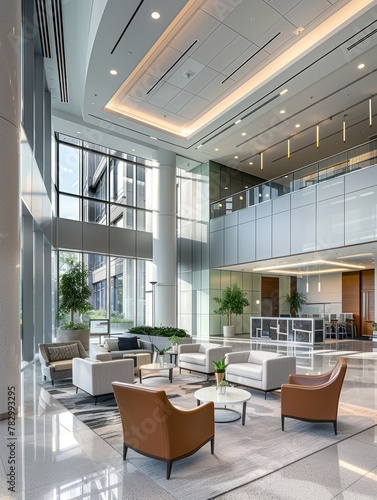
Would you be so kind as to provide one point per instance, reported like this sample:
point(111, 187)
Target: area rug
point(242, 453)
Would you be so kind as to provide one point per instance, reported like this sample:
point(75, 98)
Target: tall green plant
point(74, 293)
point(296, 301)
point(232, 301)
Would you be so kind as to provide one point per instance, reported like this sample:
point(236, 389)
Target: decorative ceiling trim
point(292, 54)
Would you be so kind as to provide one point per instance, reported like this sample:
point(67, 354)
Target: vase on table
point(219, 377)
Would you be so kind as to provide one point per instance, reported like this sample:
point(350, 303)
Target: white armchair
point(95, 377)
point(200, 357)
point(265, 371)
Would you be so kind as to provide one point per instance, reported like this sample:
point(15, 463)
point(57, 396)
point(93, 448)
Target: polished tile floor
point(58, 457)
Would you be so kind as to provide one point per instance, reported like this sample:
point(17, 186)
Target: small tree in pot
point(232, 301)
point(74, 294)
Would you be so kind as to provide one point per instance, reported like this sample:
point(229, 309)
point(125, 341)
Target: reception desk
point(305, 331)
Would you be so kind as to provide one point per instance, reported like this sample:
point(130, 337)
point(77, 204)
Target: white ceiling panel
point(306, 11)
point(182, 98)
point(200, 28)
point(216, 42)
point(249, 68)
point(221, 9)
point(168, 57)
point(285, 6)
point(229, 53)
point(252, 19)
point(193, 107)
point(163, 95)
point(215, 89)
point(179, 78)
point(197, 83)
point(286, 30)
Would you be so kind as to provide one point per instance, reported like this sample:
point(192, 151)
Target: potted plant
point(232, 301)
point(221, 388)
point(296, 301)
point(219, 370)
point(74, 293)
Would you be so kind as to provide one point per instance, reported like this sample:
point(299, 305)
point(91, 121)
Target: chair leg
point(52, 382)
point(179, 370)
point(335, 427)
point(212, 446)
point(125, 449)
point(95, 400)
point(77, 390)
point(282, 422)
point(265, 394)
point(169, 464)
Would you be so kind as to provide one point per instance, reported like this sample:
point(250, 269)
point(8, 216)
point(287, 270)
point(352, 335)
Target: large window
point(118, 286)
point(102, 186)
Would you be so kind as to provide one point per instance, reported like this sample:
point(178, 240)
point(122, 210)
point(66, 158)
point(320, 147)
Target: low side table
point(231, 396)
point(157, 367)
point(139, 359)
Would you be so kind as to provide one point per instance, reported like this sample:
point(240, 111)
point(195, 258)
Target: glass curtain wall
point(103, 186)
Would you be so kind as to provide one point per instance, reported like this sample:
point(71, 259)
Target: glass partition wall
point(358, 157)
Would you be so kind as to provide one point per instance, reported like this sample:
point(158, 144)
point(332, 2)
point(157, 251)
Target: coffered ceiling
point(218, 79)
point(224, 80)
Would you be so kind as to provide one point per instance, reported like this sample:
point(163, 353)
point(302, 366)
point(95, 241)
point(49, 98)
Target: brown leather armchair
point(154, 427)
point(313, 398)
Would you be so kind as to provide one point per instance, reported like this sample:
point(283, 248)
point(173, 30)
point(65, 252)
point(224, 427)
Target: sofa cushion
point(245, 370)
point(63, 352)
point(259, 357)
point(111, 344)
point(194, 358)
point(127, 343)
point(59, 366)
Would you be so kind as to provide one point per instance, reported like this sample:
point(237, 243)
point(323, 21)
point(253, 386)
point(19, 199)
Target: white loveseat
point(200, 357)
point(96, 377)
point(265, 371)
point(110, 348)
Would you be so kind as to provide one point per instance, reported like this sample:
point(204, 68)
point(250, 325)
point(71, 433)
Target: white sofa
point(265, 371)
point(110, 349)
point(200, 357)
point(95, 377)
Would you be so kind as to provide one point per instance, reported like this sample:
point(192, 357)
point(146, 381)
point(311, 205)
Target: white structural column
point(165, 239)
point(10, 24)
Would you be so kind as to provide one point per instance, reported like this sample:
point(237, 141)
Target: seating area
point(312, 398)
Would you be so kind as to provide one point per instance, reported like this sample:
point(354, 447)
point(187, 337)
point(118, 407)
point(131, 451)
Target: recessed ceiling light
point(113, 72)
point(361, 66)
point(226, 187)
point(283, 91)
point(200, 145)
point(216, 149)
point(297, 125)
point(154, 138)
point(155, 15)
point(133, 149)
point(237, 121)
point(236, 157)
point(78, 132)
point(243, 133)
point(251, 163)
point(282, 111)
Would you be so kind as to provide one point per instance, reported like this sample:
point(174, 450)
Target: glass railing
point(356, 158)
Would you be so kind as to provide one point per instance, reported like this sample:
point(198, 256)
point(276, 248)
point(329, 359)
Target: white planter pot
point(228, 331)
point(71, 335)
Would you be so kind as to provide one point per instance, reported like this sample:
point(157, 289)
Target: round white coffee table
point(231, 396)
point(157, 367)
